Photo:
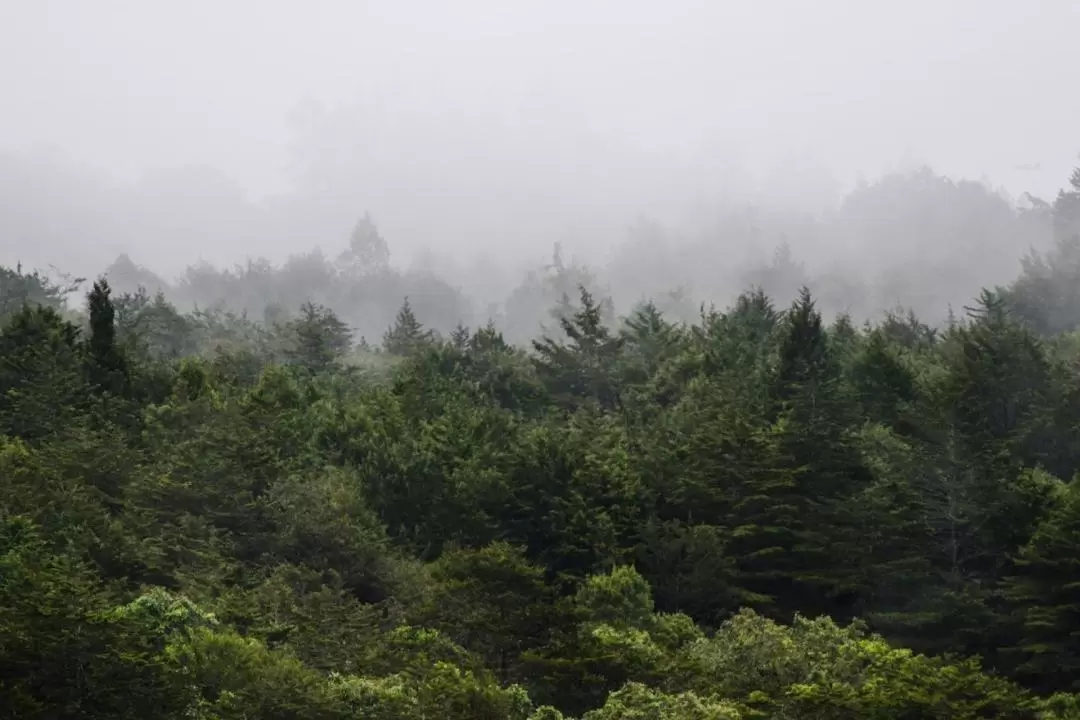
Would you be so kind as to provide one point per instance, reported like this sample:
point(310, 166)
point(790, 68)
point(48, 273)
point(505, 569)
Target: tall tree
point(815, 414)
point(581, 369)
point(319, 338)
point(106, 364)
point(407, 335)
point(1045, 591)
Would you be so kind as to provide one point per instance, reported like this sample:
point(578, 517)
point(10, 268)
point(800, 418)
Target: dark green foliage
point(1046, 593)
point(43, 390)
point(319, 339)
point(580, 369)
point(815, 415)
point(106, 365)
point(492, 602)
point(883, 381)
point(206, 516)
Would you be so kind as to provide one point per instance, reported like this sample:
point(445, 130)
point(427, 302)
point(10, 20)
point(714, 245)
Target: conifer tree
point(106, 365)
point(319, 338)
point(459, 337)
point(43, 386)
point(1045, 591)
point(582, 367)
point(815, 414)
point(648, 340)
point(407, 335)
point(885, 385)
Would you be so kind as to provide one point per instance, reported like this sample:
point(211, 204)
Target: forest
point(248, 498)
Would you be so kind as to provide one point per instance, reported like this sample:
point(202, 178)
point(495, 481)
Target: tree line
point(762, 512)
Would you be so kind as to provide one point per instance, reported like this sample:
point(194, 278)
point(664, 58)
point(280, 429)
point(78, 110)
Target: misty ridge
point(910, 241)
point(487, 162)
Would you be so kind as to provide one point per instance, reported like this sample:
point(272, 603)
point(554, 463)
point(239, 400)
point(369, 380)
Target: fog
point(665, 145)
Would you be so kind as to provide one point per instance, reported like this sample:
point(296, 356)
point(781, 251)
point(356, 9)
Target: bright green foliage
point(816, 669)
point(447, 692)
point(606, 642)
point(638, 702)
point(230, 676)
point(621, 599)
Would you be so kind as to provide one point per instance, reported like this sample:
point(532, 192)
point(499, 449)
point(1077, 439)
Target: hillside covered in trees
point(756, 512)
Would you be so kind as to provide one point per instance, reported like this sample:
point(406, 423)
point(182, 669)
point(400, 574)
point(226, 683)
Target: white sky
point(974, 87)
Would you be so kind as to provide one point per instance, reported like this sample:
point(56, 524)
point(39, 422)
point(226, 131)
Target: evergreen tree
point(106, 365)
point(368, 253)
point(407, 336)
point(459, 337)
point(1046, 593)
point(581, 369)
point(649, 343)
point(996, 395)
point(319, 338)
point(884, 383)
point(494, 602)
point(43, 389)
point(815, 414)
point(19, 289)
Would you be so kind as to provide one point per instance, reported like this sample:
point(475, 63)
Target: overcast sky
point(973, 87)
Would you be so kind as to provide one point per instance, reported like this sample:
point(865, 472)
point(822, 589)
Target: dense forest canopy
point(272, 492)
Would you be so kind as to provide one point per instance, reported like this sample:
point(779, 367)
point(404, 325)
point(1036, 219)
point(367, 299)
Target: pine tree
point(582, 368)
point(488, 339)
point(739, 346)
point(319, 338)
point(459, 337)
point(804, 363)
point(997, 407)
point(885, 385)
point(368, 252)
point(106, 365)
point(43, 385)
point(407, 335)
point(815, 414)
point(648, 341)
point(1045, 591)
point(491, 601)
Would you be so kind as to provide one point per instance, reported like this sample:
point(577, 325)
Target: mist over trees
point(535, 361)
point(219, 498)
point(909, 240)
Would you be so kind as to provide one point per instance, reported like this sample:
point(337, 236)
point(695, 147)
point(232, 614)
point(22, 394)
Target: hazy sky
point(974, 87)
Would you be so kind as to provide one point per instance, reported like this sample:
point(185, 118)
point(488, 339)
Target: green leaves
point(191, 528)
